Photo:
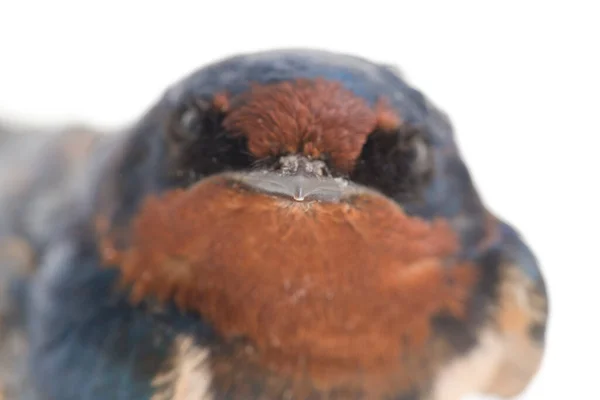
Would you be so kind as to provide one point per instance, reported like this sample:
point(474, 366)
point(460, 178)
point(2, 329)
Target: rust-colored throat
point(334, 281)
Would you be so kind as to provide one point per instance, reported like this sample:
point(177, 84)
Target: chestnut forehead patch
point(301, 282)
point(311, 117)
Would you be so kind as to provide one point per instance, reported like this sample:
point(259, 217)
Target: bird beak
point(299, 179)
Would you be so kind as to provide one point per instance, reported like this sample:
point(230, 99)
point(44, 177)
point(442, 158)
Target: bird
point(284, 224)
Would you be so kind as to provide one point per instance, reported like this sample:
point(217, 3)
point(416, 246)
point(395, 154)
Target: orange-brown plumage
point(302, 281)
point(310, 117)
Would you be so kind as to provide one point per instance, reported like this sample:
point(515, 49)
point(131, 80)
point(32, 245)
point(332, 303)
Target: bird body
point(290, 224)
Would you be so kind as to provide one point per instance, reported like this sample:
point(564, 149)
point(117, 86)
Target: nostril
point(289, 164)
point(301, 165)
point(323, 170)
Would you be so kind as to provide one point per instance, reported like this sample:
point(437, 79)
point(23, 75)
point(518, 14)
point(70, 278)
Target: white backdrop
point(519, 80)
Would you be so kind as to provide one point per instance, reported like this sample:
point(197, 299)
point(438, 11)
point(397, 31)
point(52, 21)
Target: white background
point(519, 79)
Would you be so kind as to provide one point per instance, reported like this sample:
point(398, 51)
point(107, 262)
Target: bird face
point(315, 219)
point(297, 230)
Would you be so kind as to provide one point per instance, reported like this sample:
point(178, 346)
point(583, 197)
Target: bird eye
point(189, 120)
point(199, 145)
point(422, 156)
point(398, 163)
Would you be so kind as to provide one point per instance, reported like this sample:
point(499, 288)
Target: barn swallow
point(290, 224)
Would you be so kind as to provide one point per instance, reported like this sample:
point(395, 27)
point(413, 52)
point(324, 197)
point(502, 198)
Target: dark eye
point(398, 163)
point(199, 145)
point(190, 122)
point(420, 149)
